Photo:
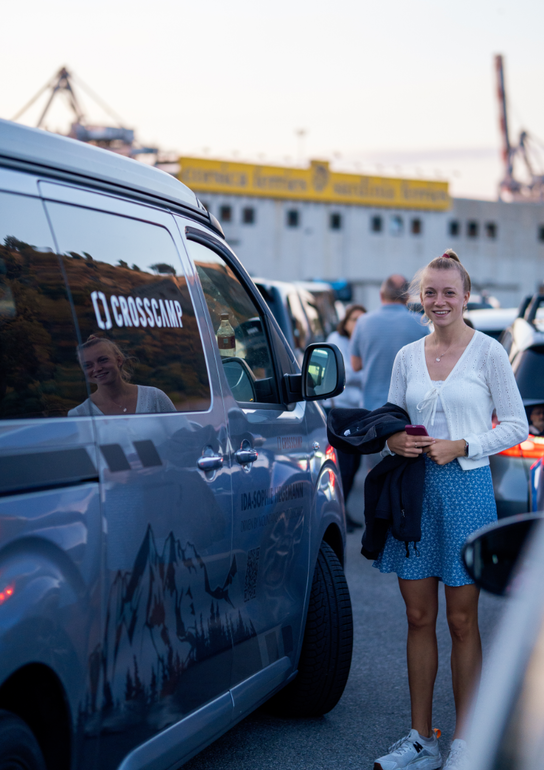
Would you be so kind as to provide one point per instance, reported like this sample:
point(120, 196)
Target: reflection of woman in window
point(107, 367)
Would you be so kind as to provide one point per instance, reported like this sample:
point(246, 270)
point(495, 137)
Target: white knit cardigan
point(481, 381)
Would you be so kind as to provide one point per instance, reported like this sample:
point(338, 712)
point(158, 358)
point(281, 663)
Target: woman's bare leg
point(466, 646)
point(421, 599)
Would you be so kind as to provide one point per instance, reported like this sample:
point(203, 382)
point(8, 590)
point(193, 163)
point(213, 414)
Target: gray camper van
point(172, 525)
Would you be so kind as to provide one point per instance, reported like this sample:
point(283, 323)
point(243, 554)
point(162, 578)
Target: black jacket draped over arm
point(394, 487)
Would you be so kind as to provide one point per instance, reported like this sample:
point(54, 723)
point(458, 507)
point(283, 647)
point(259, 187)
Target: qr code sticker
point(250, 588)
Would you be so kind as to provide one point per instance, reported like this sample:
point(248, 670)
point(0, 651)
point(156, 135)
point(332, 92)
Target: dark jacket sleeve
point(394, 487)
point(393, 498)
point(360, 431)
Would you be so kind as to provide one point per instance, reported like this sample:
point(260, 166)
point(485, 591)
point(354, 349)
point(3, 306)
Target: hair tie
point(446, 256)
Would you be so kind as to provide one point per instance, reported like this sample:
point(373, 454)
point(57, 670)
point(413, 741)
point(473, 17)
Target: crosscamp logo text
point(135, 311)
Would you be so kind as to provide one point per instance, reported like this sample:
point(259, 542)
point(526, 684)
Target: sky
point(382, 87)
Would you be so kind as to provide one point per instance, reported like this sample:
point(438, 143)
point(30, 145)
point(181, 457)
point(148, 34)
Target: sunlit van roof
point(53, 155)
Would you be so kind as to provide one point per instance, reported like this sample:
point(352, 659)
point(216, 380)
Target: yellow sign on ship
point(316, 183)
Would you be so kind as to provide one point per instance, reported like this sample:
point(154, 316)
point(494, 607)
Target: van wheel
point(325, 659)
point(19, 749)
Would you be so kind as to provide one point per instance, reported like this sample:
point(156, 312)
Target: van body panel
point(183, 740)
point(15, 182)
point(257, 688)
point(50, 576)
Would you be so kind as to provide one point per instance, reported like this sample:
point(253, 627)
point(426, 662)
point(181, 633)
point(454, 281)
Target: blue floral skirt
point(455, 504)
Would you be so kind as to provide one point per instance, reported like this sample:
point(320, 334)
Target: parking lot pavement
point(374, 710)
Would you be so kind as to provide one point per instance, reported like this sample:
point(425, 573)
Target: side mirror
point(491, 554)
point(323, 372)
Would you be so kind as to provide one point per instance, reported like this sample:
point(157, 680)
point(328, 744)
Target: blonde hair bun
point(446, 261)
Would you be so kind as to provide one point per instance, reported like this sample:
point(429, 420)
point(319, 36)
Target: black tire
point(19, 749)
point(325, 659)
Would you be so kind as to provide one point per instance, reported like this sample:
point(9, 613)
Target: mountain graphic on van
point(154, 637)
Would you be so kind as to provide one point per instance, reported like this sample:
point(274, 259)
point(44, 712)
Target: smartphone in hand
point(416, 430)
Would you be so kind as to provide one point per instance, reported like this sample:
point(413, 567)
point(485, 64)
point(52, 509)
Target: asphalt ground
point(375, 708)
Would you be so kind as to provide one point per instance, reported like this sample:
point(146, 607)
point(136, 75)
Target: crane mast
point(527, 150)
point(506, 153)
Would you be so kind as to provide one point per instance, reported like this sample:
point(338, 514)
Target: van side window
point(39, 376)
point(239, 328)
point(129, 291)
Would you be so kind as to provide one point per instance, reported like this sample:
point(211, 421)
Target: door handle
point(210, 463)
point(244, 456)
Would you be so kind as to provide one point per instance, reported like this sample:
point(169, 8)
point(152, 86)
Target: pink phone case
point(416, 430)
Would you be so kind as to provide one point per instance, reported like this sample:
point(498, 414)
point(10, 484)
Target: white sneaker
point(458, 757)
point(411, 751)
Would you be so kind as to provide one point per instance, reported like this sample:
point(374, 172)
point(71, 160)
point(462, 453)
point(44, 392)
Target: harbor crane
point(528, 150)
point(116, 138)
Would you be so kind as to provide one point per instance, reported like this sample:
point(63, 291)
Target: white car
point(492, 321)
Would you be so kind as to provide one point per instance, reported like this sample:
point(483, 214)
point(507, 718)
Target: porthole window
point(396, 225)
point(293, 218)
point(335, 221)
point(453, 228)
point(248, 215)
point(491, 229)
point(416, 227)
point(225, 213)
point(376, 224)
point(472, 229)
point(541, 233)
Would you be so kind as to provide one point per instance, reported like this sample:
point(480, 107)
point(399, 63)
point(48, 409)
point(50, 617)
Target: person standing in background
point(351, 397)
point(378, 337)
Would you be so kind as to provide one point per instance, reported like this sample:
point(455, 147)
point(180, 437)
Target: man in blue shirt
point(378, 337)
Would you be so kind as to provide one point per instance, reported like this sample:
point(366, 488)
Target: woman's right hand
point(408, 446)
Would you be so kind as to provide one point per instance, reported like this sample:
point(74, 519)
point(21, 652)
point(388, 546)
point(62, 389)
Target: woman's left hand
point(443, 451)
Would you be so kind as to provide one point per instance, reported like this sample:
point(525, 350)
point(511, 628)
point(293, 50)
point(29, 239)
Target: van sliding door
point(167, 648)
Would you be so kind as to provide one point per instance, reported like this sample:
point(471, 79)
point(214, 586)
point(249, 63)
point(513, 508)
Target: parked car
point(492, 321)
point(285, 303)
point(302, 317)
point(170, 554)
point(325, 299)
point(506, 724)
point(524, 342)
point(482, 301)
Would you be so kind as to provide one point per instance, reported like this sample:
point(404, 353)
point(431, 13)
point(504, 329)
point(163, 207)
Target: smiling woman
point(450, 382)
